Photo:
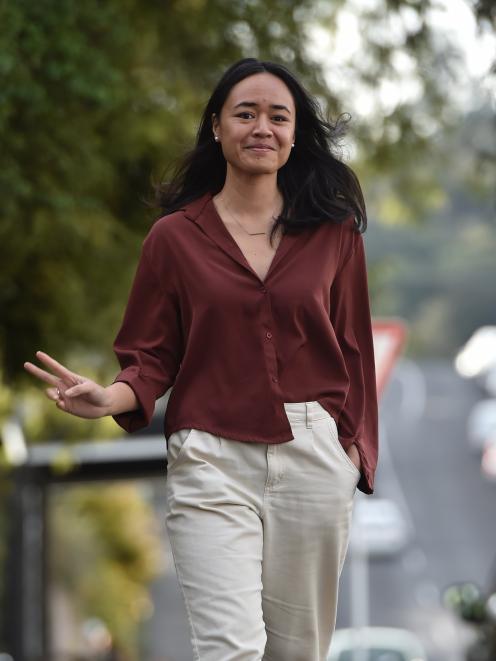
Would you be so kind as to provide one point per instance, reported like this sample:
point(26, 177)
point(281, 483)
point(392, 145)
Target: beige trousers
point(259, 535)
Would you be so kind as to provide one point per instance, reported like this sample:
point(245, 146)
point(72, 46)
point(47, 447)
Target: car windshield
point(374, 654)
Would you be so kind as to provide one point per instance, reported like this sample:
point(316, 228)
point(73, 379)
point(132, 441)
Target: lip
point(260, 147)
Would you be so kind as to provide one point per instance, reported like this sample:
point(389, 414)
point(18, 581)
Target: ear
point(215, 123)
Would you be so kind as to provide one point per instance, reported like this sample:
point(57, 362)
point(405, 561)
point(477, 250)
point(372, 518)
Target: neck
point(251, 195)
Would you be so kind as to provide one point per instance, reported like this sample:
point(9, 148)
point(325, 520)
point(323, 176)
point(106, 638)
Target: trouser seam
point(194, 641)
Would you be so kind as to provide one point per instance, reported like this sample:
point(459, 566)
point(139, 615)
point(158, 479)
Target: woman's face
point(257, 124)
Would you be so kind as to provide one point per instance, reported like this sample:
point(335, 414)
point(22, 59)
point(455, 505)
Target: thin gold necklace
point(240, 225)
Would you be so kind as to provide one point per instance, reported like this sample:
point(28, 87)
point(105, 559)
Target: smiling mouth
point(260, 149)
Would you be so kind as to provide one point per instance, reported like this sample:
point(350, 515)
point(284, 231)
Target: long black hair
point(316, 185)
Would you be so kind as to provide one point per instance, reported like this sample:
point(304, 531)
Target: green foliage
point(105, 549)
point(439, 278)
point(65, 86)
point(439, 274)
point(96, 99)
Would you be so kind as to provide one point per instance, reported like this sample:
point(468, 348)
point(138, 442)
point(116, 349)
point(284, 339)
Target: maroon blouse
point(235, 347)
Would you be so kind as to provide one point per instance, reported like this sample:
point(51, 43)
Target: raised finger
point(41, 374)
point(53, 394)
point(60, 370)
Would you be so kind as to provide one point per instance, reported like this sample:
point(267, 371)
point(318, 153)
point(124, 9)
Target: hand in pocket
point(352, 453)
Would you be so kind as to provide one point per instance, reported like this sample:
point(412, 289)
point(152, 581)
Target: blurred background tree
point(98, 99)
point(105, 551)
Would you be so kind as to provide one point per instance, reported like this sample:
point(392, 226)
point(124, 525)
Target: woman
point(250, 299)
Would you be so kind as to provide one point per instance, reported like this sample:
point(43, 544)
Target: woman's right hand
point(71, 392)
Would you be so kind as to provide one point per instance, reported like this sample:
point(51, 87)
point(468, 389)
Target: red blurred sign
point(389, 339)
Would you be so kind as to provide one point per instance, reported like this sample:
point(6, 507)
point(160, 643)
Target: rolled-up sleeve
point(148, 345)
point(350, 316)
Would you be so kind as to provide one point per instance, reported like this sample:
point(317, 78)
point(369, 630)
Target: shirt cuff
point(141, 417)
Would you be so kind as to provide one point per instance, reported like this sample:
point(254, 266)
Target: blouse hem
point(228, 435)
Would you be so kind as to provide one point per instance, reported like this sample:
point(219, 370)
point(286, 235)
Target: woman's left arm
point(351, 320)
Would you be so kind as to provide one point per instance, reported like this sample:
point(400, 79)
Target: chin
point(258, 168)
point(252, 169)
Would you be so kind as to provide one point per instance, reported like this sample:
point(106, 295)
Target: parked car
point(379, 525)
point(490, 381)
point(488, 462)
point(481, 424)
point(376, 644)
point(478, 355)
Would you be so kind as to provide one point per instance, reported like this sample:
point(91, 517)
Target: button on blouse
point(235, 348)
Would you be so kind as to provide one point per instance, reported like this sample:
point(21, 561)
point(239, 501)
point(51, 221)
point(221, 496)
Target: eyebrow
point(253, 104)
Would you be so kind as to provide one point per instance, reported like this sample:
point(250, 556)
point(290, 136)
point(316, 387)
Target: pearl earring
point(216, 138)
point(292, 145)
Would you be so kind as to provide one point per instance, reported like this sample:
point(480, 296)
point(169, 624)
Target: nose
point(262, 126)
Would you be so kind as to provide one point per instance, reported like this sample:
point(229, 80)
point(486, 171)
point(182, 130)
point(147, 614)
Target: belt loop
point(308, 424)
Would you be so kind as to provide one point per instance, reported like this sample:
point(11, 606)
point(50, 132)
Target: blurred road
point(427, 468)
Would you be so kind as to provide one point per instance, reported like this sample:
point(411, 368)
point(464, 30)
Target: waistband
point(306, 412)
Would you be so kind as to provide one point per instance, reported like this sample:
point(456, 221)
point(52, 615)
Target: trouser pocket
point(333, 432)
point(176, 445)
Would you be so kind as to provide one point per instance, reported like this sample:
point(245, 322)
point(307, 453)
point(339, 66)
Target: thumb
point(80, 389)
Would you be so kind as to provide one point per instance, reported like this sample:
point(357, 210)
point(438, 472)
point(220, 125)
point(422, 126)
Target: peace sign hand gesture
point(72, 393)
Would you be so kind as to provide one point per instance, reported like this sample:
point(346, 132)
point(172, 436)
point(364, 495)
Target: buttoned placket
point(274, 469)
point(268, 337)
point(208, 219)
